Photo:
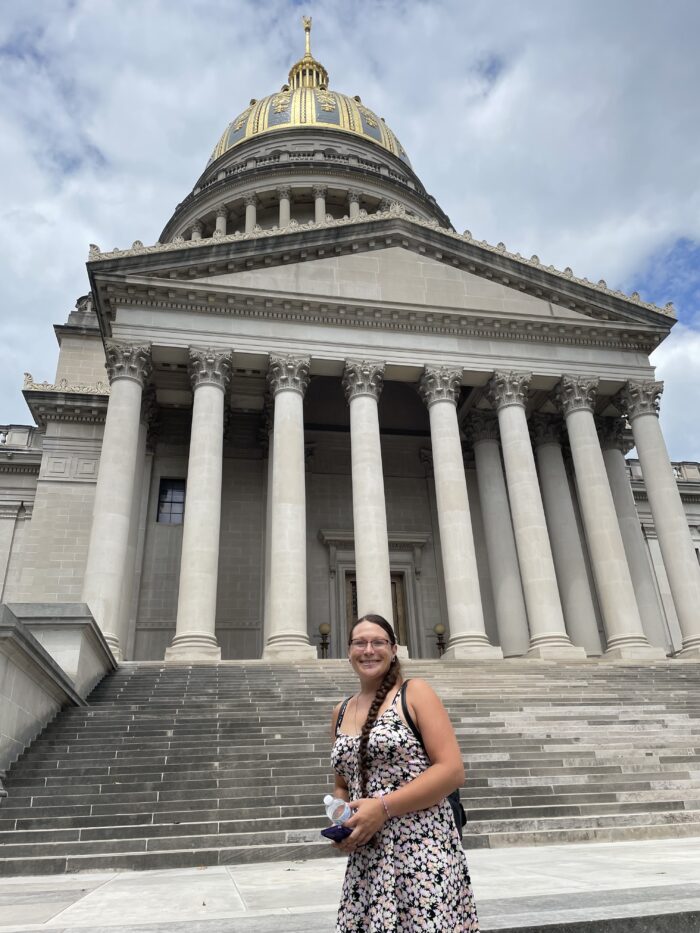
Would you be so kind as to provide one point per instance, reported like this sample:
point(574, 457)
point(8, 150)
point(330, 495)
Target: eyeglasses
point(359, 644)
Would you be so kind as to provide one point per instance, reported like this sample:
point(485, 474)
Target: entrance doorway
point(398, 600)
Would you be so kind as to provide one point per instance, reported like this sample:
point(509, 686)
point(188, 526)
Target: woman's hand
point(368, 818)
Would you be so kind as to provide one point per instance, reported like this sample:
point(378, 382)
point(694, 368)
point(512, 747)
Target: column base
point(114, 646)
point(289, 646)
point(690, 649)
point(193, 646)
point(471, 648)
point(554, 648)
point(633, 648)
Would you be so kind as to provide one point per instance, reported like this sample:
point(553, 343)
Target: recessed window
point(171, 501)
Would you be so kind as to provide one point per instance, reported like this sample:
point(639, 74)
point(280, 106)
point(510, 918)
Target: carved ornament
point(319, 191)
point(363, 377)
point(284, 192)
point(250, 200)
point(576, 393)
point(482, 426)
point(209, 367)
point(613, 434)
point(546, 429)
point(128, 361)
point(440, 384)
point(354, 196)
point(508, 388)
point(288, 373)
point(640, 398)
point(99, 388)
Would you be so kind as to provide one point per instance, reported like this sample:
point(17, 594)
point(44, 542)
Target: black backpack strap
point(341, 713)
point(407, 716)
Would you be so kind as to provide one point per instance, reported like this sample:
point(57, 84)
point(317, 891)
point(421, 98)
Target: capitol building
point(313, 398)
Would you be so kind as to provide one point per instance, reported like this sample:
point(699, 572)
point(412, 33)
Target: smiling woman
point(406, 868)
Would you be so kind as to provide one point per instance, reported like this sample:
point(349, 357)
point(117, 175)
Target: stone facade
point(366, 411)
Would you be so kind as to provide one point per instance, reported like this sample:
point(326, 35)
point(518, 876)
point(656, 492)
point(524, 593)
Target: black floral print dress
point(412, 876)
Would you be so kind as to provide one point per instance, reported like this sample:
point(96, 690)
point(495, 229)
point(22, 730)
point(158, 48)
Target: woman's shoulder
point(417, 687)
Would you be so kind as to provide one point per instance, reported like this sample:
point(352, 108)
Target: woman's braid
point(390, 678)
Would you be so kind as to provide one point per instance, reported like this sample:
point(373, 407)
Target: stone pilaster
point(615, 443)
point(576, 397)
point(548, 639)
point(567, 548)
point(195, 638)
point(287, 637)
point(640, 402)
point(439, 389)
point(128, 368)
point(363, 381)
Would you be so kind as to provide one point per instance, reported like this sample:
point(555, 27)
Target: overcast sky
point(566, 128)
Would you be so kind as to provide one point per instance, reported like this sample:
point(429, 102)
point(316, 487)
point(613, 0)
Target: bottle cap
point(327, 799)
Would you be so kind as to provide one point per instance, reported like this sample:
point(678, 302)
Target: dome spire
point(308, 72)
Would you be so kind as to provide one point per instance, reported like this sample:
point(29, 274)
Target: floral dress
point(412, 876)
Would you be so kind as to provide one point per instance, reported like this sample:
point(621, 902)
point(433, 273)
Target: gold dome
point(306, 101)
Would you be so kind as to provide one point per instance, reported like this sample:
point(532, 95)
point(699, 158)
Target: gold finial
point(306, 22)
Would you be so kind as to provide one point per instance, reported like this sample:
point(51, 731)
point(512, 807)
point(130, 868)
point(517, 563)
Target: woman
point(406, 869)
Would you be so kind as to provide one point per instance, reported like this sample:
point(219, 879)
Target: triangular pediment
point(394, 275)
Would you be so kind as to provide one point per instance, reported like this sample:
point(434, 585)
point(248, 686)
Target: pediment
point(394, 275)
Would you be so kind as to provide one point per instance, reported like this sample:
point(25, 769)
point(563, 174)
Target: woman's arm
point(340, 788)
point(445, 773)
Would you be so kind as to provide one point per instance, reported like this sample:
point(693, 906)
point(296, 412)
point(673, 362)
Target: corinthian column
point(319, 193)
point(284, 196)
point(221, 221)
point(548, 638)
point(251, 211)
point(363, 382)
point(623, 625)
point(128, 369)
point(439, 389)
point(567, 549)
point(506, 587)
point(195, 638)
point(354, 197)
point(641, 403)
point(615, 445)
point(287, 638)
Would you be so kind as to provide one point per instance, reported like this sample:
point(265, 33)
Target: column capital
point(284, 191)
point(576, 393)
point(640, 398)
point(440, 384)
point(288, 373)
point(482, 426)
point(546, 429)
point(354, 196)
point(222, 212)
point(250, 199)
point(319, 191)
point(613, 434)
point(209, 367)
point(197, 228)
point(128, 361)
point(508, 388)
point(363, 377)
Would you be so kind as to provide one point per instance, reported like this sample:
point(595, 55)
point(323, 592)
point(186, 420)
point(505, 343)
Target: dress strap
point(341, 713)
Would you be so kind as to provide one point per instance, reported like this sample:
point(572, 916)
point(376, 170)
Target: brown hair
point(392, 676)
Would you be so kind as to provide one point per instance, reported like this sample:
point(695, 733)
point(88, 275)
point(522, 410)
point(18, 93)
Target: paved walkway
point(534, 888)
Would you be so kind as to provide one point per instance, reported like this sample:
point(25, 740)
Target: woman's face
point(370, 651)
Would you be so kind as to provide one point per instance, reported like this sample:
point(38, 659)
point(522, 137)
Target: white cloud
point(677, 363)
point(569, 130)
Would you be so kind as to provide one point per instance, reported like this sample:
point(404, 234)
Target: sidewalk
point(544, 887)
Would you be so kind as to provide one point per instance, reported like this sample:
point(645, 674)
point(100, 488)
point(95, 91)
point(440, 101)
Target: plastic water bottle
point(337, 809)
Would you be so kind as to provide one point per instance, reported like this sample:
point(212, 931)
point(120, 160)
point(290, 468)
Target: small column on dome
point(251, 211)
point(354, 203)
point(319, 193)
point(221, 220)
point(197, 230)
point(284, 194)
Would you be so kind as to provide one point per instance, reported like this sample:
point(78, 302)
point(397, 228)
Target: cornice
point(476, 256)
point(207, 299)
point(20, 461)
point(52, 405)
point(65, 387)
point(689, 491)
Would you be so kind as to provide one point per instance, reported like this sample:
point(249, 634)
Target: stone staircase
point(227, 763)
